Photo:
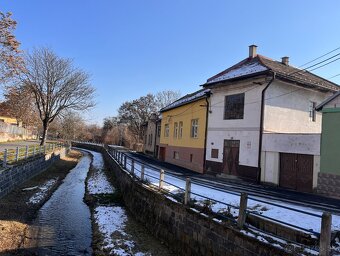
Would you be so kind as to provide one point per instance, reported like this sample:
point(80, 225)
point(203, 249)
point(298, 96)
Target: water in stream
point(64, 221)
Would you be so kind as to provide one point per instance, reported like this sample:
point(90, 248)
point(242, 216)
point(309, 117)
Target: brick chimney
point(252, 51)
point(285, 60)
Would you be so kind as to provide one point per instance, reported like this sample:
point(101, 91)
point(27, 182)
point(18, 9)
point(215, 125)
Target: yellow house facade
point(183, 131)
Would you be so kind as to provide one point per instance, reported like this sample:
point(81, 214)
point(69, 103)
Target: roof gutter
point(261, 126)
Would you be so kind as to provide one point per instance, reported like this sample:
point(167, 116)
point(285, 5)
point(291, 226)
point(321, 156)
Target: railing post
point(4, 163)
point(17, 154)
point(125, 162)
point(161, 179)
point(142, 172)
point(26, 152)
point(325, 235)
point(243, 210)
point(132, 166)
point(187, 191)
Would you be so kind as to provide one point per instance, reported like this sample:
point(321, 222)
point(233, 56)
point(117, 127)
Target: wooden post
point(17, 154)
point(26, 152)
point(132, 166)
point(161, 179)
point(187, 191)
point(325, 235)
point(243, 210)
point(142, 172)
point(4, 163)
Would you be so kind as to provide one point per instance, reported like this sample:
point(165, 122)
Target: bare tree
point(164, 98)
point(56, 85)
point(10, 55)
point(135, 113)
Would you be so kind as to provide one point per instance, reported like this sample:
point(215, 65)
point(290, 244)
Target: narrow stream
point(64, 221)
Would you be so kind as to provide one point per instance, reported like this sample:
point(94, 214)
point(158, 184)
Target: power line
point(319, 57)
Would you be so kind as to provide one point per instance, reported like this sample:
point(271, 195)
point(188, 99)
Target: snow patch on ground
point(43, 190)
point(111, 221)
point(98, 182)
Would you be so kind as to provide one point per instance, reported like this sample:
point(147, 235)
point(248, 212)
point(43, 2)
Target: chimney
point(285, 60)
point(252, 51)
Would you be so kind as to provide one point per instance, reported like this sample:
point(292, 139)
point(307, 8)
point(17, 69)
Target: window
point(191, 158)
point(158, 131)
point(150, 139)
point(214, 153)
point(175, 130)
point(180, 130)
point(312, 112)
point(194, 128)
point(234, 106)
point(166, 130)
point(176, 155)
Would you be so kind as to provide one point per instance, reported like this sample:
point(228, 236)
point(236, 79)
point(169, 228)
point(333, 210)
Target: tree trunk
point(44, 136)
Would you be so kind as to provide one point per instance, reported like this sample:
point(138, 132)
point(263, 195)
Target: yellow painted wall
point(185, 113)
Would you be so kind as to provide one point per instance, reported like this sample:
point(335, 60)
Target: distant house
point(262, 124)
point(183, 131)
point(150, 135)
point(329, 176)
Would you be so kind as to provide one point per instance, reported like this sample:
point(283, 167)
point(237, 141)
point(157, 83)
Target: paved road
point(230, 185)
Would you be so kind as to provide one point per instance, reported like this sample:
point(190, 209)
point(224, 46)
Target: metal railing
point(13, 155)
point(184, 195)
point(235, 214)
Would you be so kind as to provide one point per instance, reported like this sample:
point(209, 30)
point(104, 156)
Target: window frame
point(175, 130)
point(233, 113)
point(180, 129)
point(194, 128)
point(166, 130)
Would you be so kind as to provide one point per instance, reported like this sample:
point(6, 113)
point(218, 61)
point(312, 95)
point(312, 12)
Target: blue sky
point(132, 48)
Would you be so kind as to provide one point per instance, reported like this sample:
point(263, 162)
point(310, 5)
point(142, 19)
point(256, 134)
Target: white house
point(262, 124)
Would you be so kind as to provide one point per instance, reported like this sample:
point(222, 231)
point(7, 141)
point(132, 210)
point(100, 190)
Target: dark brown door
point(296, 172)
point(162, 153)
point(231, 156)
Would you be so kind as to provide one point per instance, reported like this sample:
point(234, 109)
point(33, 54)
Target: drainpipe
point(261, 127)
point(206, 131)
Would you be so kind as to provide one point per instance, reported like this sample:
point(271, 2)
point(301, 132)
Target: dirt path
point(20, 207)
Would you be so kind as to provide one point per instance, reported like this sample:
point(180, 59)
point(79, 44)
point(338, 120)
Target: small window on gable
point(312, 111)
point(176, 155)
point(234, 106)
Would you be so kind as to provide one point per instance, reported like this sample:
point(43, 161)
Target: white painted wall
point(287, 109)
point(246, 130)
point(292, 143)
point(270, 166)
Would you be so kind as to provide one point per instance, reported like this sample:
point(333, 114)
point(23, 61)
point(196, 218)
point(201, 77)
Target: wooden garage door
point(296, 172)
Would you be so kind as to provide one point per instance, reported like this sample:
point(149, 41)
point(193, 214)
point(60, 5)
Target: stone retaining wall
point(183, 229)
point(329, 185)
point(13, 176)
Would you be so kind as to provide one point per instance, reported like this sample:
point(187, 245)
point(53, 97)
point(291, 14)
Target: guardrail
point(12, 156)
point(185, 195)
point(235, 215)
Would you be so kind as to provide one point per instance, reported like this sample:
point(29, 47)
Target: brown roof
point(262, 65)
